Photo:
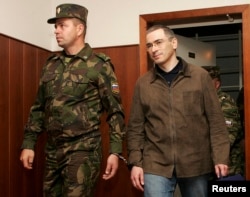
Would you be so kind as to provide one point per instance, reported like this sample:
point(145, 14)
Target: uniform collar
point(84, 54)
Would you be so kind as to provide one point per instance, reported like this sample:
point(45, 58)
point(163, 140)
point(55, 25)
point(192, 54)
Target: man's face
point(161, 47)
point(67, 31)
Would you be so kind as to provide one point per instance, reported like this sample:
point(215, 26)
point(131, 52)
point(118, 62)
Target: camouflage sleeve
point(232, 118)
point(34, 124)
point(111, 100)
point(240, 104)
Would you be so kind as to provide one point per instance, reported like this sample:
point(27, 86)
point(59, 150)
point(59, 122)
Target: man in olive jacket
point(176, 131)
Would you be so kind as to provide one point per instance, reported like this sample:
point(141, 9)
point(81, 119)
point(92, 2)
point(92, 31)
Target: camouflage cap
point(214, 71)
point(70, 11)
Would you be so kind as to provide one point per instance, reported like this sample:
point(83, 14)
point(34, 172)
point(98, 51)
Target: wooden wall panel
point(4, 117)
point(29, 83)
point(15, 111)
point(126, 63)
point(20, 70)
point(246, 72)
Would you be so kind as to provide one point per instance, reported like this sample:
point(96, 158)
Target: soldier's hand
point(27, 158)
point(111, 168)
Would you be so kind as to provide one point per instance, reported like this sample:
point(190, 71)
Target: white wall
point(110, 22)
point(25, 20)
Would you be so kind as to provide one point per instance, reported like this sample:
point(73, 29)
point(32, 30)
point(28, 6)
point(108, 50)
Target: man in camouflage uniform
point(74, 89)
point(233, 123)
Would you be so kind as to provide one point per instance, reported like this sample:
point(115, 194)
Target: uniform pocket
point(76, 85)
point(49, 83)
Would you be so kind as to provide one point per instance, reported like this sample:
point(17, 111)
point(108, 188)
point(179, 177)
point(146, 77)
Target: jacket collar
point(185, 70)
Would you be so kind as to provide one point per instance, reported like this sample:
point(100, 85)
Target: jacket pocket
point(192, 102)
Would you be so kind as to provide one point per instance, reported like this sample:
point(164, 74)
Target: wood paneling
point(4, 117)
point(19, 73)
point(246, 72)
point(15, 112)
point(126, 61)
point(20, 69)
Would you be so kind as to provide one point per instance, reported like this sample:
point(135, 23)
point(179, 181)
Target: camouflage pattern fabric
point(72, 95)
point(236, 133)
point(70, 11)
point(79, 172)
point(214, 71)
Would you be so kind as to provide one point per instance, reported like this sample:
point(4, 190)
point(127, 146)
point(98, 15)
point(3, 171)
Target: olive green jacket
point(236, 133)
point(73, 93)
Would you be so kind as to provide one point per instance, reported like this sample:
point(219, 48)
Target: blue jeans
point(159, 186)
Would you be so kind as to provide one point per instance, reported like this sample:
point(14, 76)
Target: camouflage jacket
point(71, 97)
point(236, 134)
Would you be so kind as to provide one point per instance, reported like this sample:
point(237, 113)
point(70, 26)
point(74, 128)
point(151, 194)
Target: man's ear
point(174, 43)
point(80, 29)
point(217, 84)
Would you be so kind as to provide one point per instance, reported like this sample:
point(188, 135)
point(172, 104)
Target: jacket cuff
point(28, 145)
point(116, 147)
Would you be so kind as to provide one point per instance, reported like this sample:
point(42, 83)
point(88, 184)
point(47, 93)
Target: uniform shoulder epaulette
point(103, 56)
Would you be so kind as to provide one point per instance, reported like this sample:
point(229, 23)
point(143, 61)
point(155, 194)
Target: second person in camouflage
point(232, 119)
point(75, 88)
